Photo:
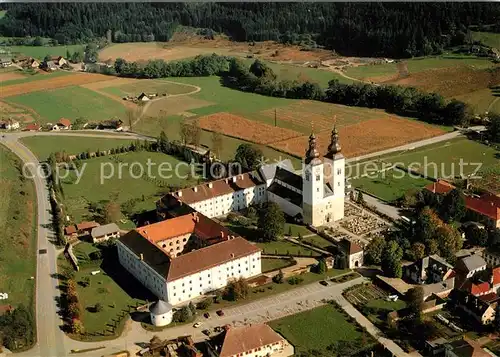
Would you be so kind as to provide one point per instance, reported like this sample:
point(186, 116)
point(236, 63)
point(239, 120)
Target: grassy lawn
point(383, 304)
point(488, 38)
point(300, 329)
point(295, 229)
point(417, 65)
point(481, 100)
point(149, 86)
point(70, 103)
point(138, 192)
point(269, 264)
point(41, 51)
point(18, 225)
point(318, 241)
point(36, 76)
point(284, 247)
point(3, 13)
point(389, 185)
point(43, 146)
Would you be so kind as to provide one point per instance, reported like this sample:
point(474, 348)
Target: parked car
point(324, 283)
point(206, 332)
point(197, 324)
point(207, 315)
point(220, 312)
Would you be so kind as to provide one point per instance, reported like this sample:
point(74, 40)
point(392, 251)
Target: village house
point(71, 231)
point(315, 197)
point(182, 258)
point(105, 232)
point(58, 60)
point(49, 66)
point(86, 227)
point(111, 124)
point(5, 62)
point(492, 257)
point(465, 348)
point(32, 127)
point(257, 340)
point(9, 124)
point(481, 308)
point(470, 265)
point(428, 270)
point(62, 124)
point(143, 97)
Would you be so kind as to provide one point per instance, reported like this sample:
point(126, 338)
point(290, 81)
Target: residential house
point(63, 124)
point(492, 257)
point(440, 187)
point(86, 227)
point(9, 124)
point(32, 127)
point(353, 253)
point(5, 62)
point(71, 231)
point(481, 308)
point(482, 283)
point(59, 61)
point(257, 340)
point(184, 257)
point(428, 270)
point(470, 265)
point(465, 348)
point(143, 97)
point(110, 124)
point(33, 63)
point(105, 232)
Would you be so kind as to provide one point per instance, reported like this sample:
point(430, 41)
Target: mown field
point(120, 175)
point(36, 76)
point(302, 332)
point(18, 225)
point(70, 102)
point(149, 86)
point(40, 52)
point(43, 146)
point(488, 38)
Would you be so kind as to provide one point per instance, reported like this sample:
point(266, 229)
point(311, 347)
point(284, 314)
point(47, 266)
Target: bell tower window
point(317, 177)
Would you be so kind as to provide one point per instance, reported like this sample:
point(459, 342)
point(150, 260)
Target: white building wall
point(162, 319)
point(263, 351)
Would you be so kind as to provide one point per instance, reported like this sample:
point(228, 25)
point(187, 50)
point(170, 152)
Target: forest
point(363, 29)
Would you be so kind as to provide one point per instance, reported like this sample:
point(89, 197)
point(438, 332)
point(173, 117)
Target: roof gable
point(239, 340)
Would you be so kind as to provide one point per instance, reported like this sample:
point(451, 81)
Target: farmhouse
point(428, 270)
point(105, 232)
point(143, 97)
point(253, 341)
point(58, 60)
point(62, 124)
point(32, 127)
point(181, 258)
point(315, 197)
point(86, 227)
point(5, 62)
point(9, 124)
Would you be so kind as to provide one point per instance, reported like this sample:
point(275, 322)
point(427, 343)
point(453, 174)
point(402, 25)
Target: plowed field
point(51, 83)
point(239, 127)
point(365, 137)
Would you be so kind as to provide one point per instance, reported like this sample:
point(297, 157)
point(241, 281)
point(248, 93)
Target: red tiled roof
point(479, 289)
point(65, 122)
point(490, 297)
point(86, 225)
point(440, 187)
point(5, 308)
point(486, 205)
point(496, 276)
point(32, 126)
point(239, 340)
point(219, 187)
point(70, 230)
point(209, 257)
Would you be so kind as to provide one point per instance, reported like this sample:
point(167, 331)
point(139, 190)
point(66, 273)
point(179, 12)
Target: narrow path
point(492, 104)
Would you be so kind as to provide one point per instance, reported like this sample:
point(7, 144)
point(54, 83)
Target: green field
point(149, 86)
point(3, 13)
point(319, 328)
point(91, 189)
point(41, 51)
point(270, 264)
point(383, 304)
point(317, 241)
point(295, 229)
point(389, 185)
point(283, 247)
point(71, 103)
point(43, 146)
point(18, 225)
point(483, 100)
point(417, 65)
point(33, 77)
point(488, 38)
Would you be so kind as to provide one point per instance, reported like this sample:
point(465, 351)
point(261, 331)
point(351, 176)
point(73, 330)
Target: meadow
point(35, 76)
point(126, 185)
point(71, 103)
point(488, 38)
point(18, 221)
point(300, 332)
point(40, 52)
point(149, 86)
point(43, 146)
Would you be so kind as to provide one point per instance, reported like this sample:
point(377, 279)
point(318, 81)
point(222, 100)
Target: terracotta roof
point(490, 297)
point(195, 222)
point(239, 340)
point(32, 126)
point(5, 308)
point(351, 247)
point(496, 275)
point(479, 289)
point(440, 187)
point(86, 225)
point(209, 257)
point(218, 188)
point(70, 230)
point(467, 348)
point(64, 121)
point(487, 205)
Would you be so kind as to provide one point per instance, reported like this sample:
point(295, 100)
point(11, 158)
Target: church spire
point(334, 148)
point(312, 153)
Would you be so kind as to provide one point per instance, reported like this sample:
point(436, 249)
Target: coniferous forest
point(361, 29)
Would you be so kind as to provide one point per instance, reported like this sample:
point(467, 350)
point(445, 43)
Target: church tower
point(334, 165)
point(313, 184)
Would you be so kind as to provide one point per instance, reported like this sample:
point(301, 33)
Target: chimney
point(241, 177)
point(195, 188)
point(232, 255)
point(234, 178)
point(179, 193)
point(142, 256)
point(210, 185)
point(434, 187)
point(222, 234)
point(226, 181)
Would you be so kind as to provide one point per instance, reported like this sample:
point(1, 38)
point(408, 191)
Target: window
point(317, 190)
point(308, 176)
point(317, 178)
point(339, 171)
point(177, 241)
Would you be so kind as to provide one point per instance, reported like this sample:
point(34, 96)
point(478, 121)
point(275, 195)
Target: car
point(207, 315)
point(206, 332)
point(197, 324)
point(220, 312)
point(324, 283)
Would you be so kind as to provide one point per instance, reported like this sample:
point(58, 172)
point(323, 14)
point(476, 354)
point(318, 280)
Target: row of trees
point(17, 328)
point(366, 29)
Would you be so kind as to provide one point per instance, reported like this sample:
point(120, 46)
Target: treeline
point(363, 29)
point(17, 329)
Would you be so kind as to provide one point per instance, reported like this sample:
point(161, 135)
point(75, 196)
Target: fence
point(68, 252)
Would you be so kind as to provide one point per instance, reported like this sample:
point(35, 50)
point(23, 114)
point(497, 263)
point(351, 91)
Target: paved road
point(50, 339)
point(382, 207)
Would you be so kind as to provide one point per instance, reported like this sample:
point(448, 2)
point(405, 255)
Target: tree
point(98, 307)
point(192, 307)
point(76, 57)
point(374, 250)
point(415, 298)
point(91, 54)
point(449, 241)
point(131, 116)
point(453, 206)
point(321, 267)
point(185, 314)
point(360, 199)
point(260, 69)
point(476, 236)
point(279, 278)
point(271, 222)
point(417, 250)
point(47, 58)
point(410, 198)
point(248, 156)
point(77, 327)
point(162, 142)
point(216, 143)
point(432, 247)
point(17, 328)
point(112, 212)
point(493, 127)
point(38, 41)
point(391, 260)
point(186, 133)
point(426, 224)
point(204, 304)
point(236, 290)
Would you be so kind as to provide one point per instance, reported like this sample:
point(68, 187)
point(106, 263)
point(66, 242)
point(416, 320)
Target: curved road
point(52, 342)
